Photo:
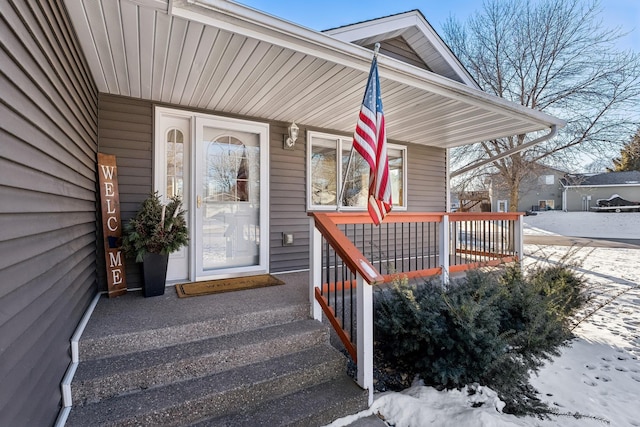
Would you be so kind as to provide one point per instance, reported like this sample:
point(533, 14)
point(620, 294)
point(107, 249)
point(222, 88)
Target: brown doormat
point(195, 289)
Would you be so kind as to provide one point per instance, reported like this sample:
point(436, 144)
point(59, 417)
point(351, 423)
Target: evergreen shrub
point(491, 328)
point(156, 228)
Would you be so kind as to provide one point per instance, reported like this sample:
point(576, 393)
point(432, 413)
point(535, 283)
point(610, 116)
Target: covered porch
point(156, 360)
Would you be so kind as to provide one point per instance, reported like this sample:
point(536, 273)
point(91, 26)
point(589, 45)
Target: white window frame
point(546, 179)
point(340, 141)
point(548, 203)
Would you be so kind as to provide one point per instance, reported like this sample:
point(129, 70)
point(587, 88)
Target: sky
point(325, 14)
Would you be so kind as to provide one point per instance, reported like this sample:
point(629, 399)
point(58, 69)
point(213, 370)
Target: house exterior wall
point(48, 144)
point(126, 130)
point(533, 189)
point(577, 197)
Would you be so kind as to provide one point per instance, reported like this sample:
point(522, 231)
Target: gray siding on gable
point(48, 143)
point(398, 48)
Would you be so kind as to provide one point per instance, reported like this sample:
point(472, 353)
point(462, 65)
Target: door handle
point(199, 202)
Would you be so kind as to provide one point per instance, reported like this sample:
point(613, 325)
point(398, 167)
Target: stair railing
point(348, 253)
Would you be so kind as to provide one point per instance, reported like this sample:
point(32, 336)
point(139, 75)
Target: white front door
point(231, 215)
point(219, 166)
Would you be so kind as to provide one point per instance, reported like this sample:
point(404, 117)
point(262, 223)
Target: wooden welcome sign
point(111, 224)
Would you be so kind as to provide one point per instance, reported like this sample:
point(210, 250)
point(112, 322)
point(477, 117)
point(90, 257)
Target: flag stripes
point(370, 141)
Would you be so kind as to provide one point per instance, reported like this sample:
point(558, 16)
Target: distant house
point(541, 189)
point(581, 191)
point(182, 93)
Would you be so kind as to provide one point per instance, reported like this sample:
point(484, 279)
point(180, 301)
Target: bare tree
point(553, 56)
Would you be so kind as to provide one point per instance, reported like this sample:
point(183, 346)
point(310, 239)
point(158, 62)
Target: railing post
point(518, 241)
point(364, 323)
point(444, 248)
point(315, 268)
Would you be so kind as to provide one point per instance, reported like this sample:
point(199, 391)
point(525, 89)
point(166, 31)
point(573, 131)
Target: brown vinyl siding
point(48, 144)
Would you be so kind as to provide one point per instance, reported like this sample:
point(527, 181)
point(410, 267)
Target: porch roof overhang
point(225, 57)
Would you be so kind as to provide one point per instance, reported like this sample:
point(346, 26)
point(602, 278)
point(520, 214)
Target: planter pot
point(155, 273)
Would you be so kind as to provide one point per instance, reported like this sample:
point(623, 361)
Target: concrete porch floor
point(132, 312)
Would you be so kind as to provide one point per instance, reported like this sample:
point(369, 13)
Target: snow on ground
point(623, 225)
point(597, 376)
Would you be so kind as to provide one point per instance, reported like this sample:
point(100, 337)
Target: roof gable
point(410, 38)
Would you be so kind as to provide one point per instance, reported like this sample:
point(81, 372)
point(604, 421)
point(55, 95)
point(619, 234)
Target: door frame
point(190, 192)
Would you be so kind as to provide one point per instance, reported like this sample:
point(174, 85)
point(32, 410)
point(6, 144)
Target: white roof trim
point(255, 24)
point(394, 23)
point(224, 57)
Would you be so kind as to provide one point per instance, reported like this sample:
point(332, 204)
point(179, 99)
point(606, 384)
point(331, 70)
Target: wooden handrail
point(484, 216)
point(364, 218)
point(350, 255)
point(392, 217)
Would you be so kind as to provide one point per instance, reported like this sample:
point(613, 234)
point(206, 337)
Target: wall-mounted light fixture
point(290, 140)
point(287, 239)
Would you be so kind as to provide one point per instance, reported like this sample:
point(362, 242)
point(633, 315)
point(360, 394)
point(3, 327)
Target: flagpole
point(376, 48)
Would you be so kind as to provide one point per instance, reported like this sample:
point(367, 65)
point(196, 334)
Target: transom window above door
point(328, 157)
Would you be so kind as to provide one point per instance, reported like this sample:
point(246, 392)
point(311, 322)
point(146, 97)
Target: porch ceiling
point(225, 57)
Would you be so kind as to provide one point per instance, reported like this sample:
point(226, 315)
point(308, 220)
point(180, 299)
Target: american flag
point(370, 140)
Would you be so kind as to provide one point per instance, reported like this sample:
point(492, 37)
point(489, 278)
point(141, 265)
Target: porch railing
point(348, 252)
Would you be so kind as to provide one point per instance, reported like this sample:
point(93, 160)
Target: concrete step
point(155, 336)
point(314, 406)
point(243, 388)
point(109, 377)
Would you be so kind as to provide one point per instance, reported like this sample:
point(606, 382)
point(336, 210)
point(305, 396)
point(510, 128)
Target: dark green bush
point(489, 328)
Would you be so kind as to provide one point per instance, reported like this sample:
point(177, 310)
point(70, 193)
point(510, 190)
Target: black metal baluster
point(395, 247)
point(326, 268)
point(353, 278)
point(335, 282)
point(380, 248)
point(344, 283)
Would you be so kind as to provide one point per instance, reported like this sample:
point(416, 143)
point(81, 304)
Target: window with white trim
point(175, 162)
point(328, 158)
point(546, 179)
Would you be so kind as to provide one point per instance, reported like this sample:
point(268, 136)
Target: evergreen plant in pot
point(156, 231)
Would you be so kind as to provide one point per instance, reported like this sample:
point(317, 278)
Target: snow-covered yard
point(597, 376)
